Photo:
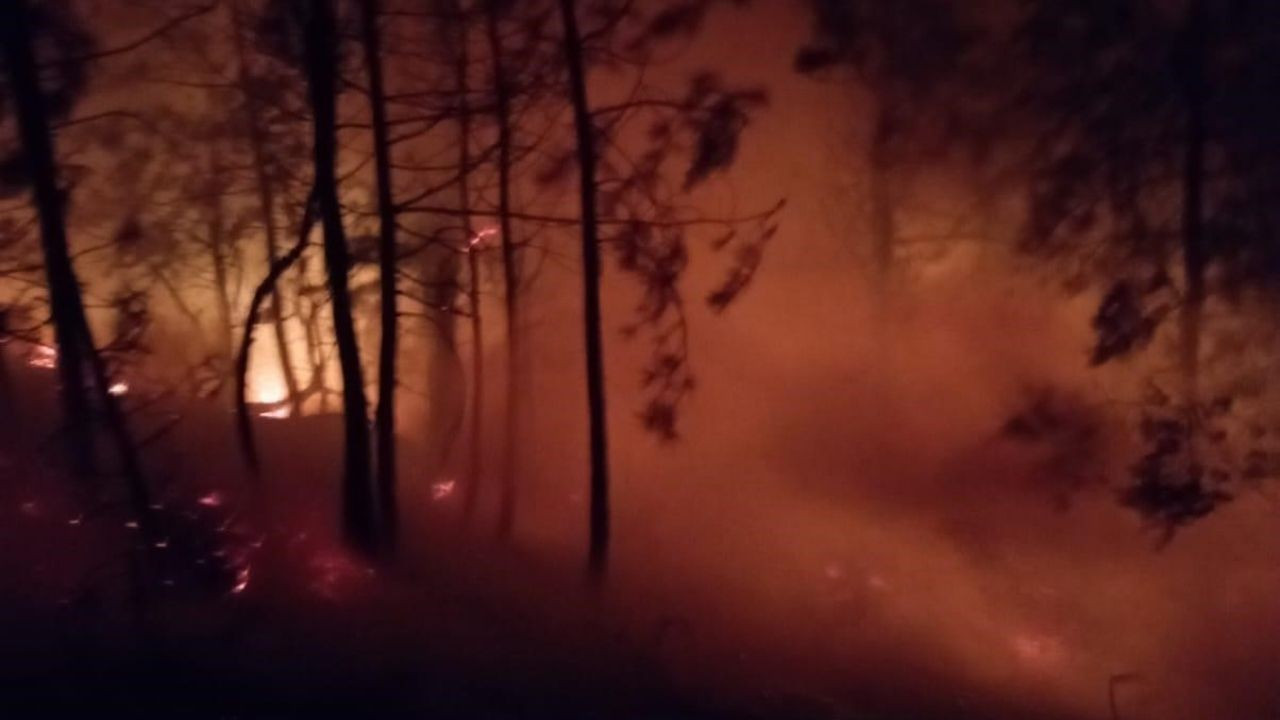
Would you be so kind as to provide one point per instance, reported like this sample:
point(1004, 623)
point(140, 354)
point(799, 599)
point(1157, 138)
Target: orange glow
point(266, 386)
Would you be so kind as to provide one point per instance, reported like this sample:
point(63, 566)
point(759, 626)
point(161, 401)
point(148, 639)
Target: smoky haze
point(878, 504)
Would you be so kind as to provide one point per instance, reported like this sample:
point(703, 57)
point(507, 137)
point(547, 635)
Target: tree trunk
point(510, 283)
point(267, 207)
point(386, 412)
point(463, 87)
point(64, 289)
point(79, 364)
point(309, 317)
point(358, 498)
point(475, 461)
point(598, 517)
point(218, 258)
point(446, 391)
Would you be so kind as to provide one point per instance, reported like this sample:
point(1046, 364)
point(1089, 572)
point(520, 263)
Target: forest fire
point(605, 359)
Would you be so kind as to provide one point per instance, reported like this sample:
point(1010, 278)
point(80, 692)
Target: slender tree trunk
point(475, 460)
point(267, 207)
point(118, 429)
point(1193, 241)
point(471, 496)
point(358, 498)
point(386, 411)
point(64, 289)
point(446, 391)
point(598, 517)
point(312, 324)
point(268, 285)
point(218, 258)
point(76, 352)
point(510, 285)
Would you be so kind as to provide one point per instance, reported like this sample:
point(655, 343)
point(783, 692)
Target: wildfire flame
point(276, 413)
point(118, 388)
point(267, 388)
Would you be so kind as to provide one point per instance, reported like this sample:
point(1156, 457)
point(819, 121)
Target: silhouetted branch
point(265, 288)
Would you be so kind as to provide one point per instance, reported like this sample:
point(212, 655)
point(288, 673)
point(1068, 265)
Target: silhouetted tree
point(320, 45)
point(633, 198)
point(255, 120)
point(915, 60)
point(261, 293)
point(1117, 180)
point(387, 257)
point(33, 107)
point(82, 371)
point(1144, 125)
point(461, 37)
point(502, 117)
point(598, 423)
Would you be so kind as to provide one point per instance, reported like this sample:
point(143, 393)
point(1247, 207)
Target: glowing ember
point(118, 388)
point(833, 571)
point(1037, 649)
point(213, 499)
point(279, 412)
point(481, 236)
point(43, 356)
point(336, 573)
point(242, 580)
point(877, 582)
point(442, 489)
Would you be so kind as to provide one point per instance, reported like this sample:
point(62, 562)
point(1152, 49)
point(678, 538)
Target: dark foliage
point(1171, 486)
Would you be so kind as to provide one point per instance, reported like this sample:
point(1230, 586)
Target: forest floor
point(248, 606)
